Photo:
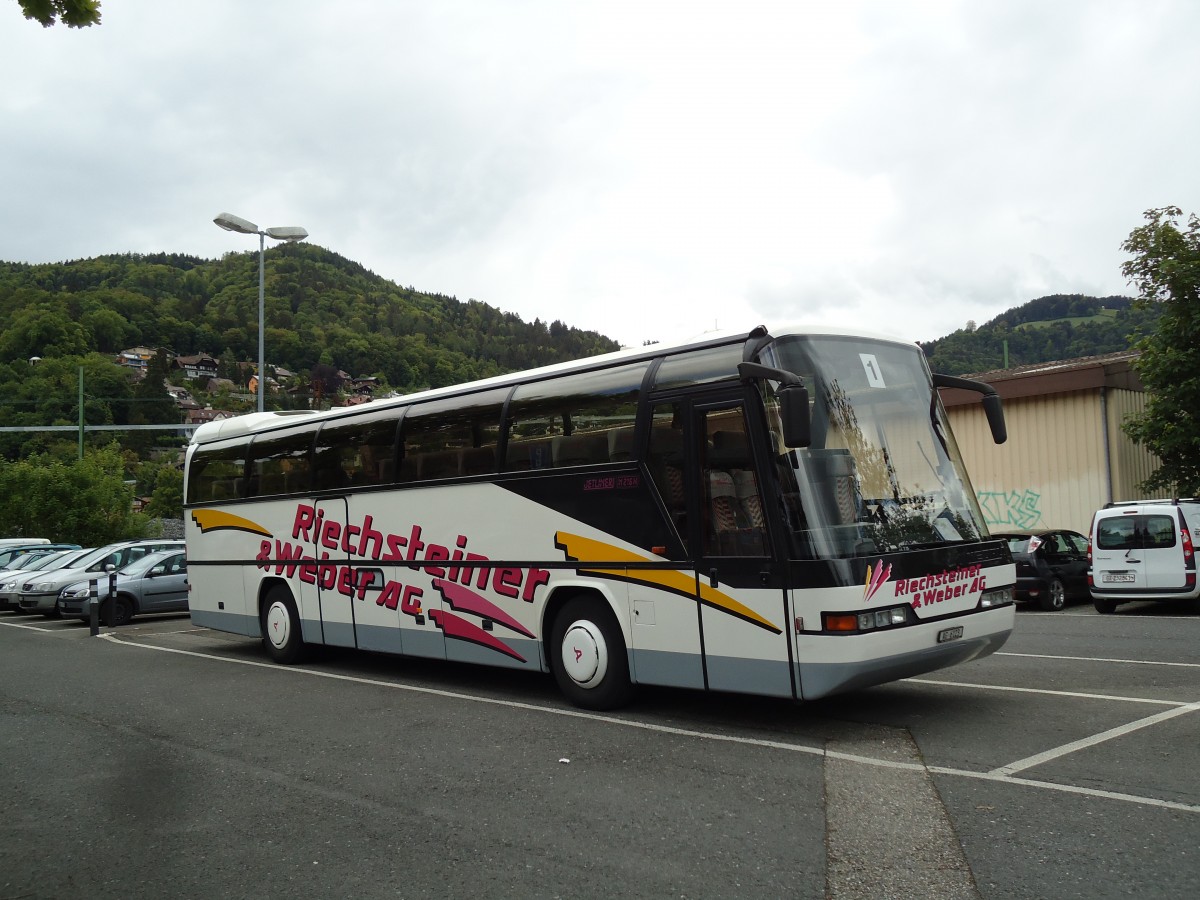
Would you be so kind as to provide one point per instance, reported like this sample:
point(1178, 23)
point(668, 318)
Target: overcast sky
point(649, 170)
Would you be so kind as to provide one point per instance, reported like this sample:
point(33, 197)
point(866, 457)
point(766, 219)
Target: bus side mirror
point(793, 409)
point(992, 406)
point(994, 411)
point(793, 401)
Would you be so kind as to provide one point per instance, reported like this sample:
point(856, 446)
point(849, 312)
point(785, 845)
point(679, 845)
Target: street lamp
point(286, 233)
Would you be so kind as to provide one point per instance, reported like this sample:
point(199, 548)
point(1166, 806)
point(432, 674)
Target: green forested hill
point(325, 312)
point(1060, 326)
point(320, 308)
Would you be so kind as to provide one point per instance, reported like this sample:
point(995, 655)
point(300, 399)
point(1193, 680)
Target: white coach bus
point(782, 514)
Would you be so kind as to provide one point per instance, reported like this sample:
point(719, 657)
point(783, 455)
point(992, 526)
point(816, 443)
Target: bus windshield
point(883, 473)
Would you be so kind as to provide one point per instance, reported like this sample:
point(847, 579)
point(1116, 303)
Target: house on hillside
point(249, 372)
point(197, 367)
point(201, 416)
point(363, 386)
point(1066, 455)
point(136, 357)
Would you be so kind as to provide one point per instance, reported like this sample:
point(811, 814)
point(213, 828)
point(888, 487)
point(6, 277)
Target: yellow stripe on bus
point(584, 550)
point(215, 520)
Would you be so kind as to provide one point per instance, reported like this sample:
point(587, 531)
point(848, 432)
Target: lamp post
point(285, 233)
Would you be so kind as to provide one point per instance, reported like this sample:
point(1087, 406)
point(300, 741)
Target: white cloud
point(643, 169)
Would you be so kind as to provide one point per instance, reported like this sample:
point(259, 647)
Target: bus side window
point(735, 518)
point(620, 444)
point(665, 462)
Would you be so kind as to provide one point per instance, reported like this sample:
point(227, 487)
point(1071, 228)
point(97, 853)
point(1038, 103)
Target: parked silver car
point(40, 594)
point(11, 580)
point(10, 556)
point(155, 583)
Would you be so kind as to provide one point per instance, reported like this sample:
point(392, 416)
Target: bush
point(83, 501)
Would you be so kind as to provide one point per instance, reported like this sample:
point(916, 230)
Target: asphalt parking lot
point(164, 758)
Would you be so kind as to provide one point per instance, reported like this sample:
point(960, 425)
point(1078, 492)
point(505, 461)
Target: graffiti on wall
point(1021, 509)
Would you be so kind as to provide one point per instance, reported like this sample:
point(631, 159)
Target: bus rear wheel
point(281, 634)
point(587, 655)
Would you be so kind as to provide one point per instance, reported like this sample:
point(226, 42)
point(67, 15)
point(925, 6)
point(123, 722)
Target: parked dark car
point(1052, 566)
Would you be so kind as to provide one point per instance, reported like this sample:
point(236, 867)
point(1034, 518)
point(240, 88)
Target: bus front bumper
point(984, 634)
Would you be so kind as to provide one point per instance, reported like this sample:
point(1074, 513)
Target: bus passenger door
point(743, 604)
point(664, 618)
point(377, 591)
point(332, 595)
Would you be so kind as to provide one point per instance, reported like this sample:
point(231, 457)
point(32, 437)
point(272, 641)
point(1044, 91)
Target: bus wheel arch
point(279, 622)
point(587, 652)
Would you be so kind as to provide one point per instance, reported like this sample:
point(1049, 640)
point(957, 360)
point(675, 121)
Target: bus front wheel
point(587, 655)
point(281, 626)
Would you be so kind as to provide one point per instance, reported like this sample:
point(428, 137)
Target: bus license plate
point(1109, 578)
point(950, 634)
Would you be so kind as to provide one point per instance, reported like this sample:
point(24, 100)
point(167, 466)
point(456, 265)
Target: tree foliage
point(1165, 268)
point(1060, 326)
point(72, 13)
point(320, 308)
point(163, 483)
point(84, 501)
point(324, 314)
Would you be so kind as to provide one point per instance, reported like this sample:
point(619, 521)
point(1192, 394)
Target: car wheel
point(587, 655)
point(117, 611)
point(1105, 606)
point(280, 623)
point(1055, 597)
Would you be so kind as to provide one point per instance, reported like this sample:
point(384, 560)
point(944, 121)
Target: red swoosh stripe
point(466, 600)
point(462, 630)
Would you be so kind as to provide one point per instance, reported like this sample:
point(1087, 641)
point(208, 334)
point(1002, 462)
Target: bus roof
point(255, 422)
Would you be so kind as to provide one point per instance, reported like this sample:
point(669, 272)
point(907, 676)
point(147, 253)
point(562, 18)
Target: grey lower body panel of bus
point(822, 679)
point(685, 670)
point(234, 623)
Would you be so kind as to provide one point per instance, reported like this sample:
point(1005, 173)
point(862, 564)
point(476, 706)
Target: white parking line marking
point(1146, 613)
point(1133, 662)
point(1070, 789)
point(1120, 731)
point(1078, 695)
point(995, 776)
point(41, 628)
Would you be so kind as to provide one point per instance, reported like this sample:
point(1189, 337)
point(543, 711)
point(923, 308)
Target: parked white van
point(1143, 550)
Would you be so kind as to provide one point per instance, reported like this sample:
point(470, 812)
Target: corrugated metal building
point(1066, 454)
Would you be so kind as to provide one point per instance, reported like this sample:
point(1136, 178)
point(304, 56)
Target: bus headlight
point(871, 620)
point(998, 597)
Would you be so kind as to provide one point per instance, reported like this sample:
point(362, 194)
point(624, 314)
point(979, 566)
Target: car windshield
point(140, 567)
point(22, 560)
point(8, 556)
point(68, 558)
point(47, 560)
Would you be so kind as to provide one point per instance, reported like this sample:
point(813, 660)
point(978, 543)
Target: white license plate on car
point(1116, 578)
point(950, 634)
